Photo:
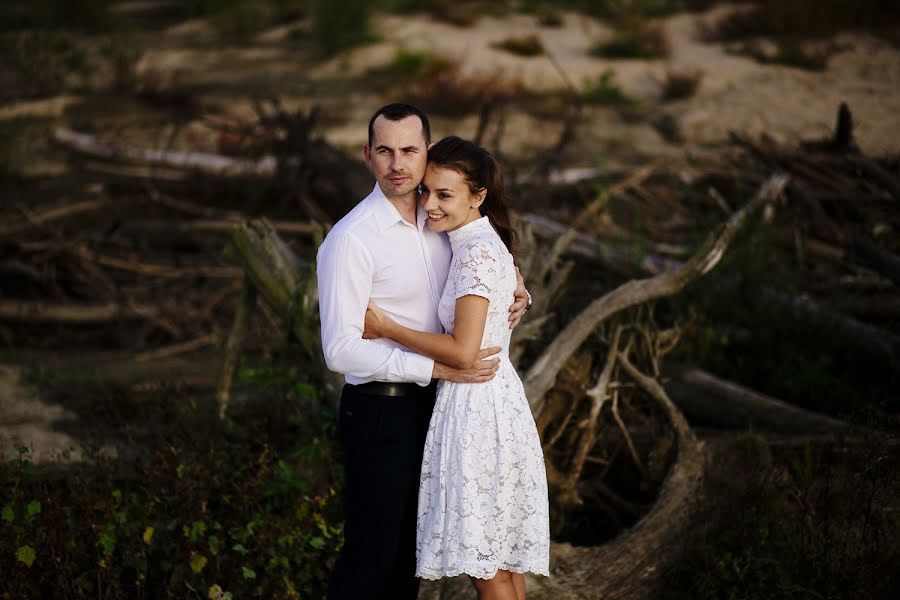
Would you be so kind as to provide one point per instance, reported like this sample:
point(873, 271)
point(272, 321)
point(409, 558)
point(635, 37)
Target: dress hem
point(481, 574)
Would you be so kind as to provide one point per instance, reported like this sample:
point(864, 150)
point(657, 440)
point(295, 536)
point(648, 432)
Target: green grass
point(604, 90)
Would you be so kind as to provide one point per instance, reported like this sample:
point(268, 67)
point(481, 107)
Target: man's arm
point(521, 303)
point(344, 270)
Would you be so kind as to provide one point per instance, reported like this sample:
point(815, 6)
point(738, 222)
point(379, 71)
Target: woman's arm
point(458, 349)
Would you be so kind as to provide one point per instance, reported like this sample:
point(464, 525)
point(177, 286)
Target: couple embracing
point(418, 293)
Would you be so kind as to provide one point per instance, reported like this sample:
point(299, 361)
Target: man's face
point(398, 155)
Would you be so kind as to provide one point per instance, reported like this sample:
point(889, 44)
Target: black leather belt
point(383, 388)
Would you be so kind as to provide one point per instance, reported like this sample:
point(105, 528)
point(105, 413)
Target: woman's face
point(447, 199)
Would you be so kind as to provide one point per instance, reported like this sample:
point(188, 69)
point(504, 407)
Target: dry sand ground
point(736, 94)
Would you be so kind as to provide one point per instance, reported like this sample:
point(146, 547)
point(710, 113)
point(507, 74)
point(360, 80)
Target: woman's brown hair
point(482, 172)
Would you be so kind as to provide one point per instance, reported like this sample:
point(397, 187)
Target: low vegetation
point(635, 38)
point(205, 509)
point(604, 90)
point(525, 45)
point(438, 84)
point(803, 522)
point(792, 18)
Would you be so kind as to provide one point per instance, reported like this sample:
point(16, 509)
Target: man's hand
point(520, 305)
point(483, 370)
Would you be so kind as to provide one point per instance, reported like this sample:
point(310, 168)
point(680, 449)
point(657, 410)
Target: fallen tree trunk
point(337, 181)
point(874, 257)
point(20, 310)
point(542, 374)
point(711, 401)
point(212, 164)
point(289, 286)
point(223, 226)
point(877, 345)
point(38, 219)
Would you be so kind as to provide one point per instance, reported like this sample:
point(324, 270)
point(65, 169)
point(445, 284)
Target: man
point(382, 250)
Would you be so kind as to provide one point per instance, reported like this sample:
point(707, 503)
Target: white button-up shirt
point(373, 253)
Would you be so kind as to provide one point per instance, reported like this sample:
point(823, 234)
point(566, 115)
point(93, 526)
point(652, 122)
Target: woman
point(483, 505)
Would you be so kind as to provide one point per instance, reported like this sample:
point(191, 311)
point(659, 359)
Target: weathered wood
point(862, 339)
point(212, 164)
point(708, 400)
point(223, 226)
point(542, 374)
point(336, 180)
point(288, 285)
point(872, 256)
point(20, 310)
point(233, 345)
point(49, 215)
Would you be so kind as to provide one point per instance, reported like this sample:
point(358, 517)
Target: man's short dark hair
point(397, 111)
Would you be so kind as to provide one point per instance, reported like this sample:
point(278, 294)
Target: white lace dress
point(483, 490)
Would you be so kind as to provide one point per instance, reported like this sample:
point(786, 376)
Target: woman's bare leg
point(518, 580)
point(500, 587)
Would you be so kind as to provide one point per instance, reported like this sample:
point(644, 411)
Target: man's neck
point(406, 206)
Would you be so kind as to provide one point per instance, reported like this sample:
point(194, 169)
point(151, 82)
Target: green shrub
point(408, 65)
point(339, 25)
point(604, 90)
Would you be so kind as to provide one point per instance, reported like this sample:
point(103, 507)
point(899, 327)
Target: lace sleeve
point(477, 270)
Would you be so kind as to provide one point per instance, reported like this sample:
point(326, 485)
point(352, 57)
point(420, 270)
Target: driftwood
point(38, 219)
point(223, 226)
point(320, 170)
point(288, 285)
point(211, 164)
point(877, 259)
point(233, 346)
point(73, 313)
point(877, 345)
point(542, 374)
point(708, 400)
point(622, 257)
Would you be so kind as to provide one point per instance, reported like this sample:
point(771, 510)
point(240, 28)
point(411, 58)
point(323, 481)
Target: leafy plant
point(604, 90)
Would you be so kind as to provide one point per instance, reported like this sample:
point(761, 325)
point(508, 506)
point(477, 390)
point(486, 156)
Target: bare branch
point(542, 374)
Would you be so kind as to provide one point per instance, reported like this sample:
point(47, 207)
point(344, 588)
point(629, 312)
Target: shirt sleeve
point(344, 271)
point(477, 270)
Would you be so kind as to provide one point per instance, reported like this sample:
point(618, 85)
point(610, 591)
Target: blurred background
point(167, 424)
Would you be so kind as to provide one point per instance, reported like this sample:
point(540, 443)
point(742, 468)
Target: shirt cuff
point(419, 368)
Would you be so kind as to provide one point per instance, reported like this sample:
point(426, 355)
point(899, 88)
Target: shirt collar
point(386, 214)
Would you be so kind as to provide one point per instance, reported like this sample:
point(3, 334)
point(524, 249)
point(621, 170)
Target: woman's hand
point(377, 322)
